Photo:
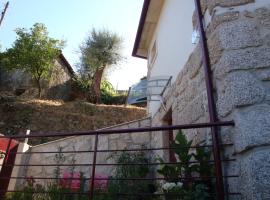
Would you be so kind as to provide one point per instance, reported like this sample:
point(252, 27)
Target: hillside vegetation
point(18, 115)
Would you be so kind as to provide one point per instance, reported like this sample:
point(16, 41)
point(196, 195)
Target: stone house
point(58, 87)
point(238, 40)
point(237, 35)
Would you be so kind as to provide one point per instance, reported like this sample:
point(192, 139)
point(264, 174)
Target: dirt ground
point(41, 116)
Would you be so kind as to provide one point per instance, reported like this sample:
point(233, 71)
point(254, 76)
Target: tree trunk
point(38, 86)
point(96, 84)
point(39, 90)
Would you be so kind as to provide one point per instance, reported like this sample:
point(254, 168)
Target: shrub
point(81, 90)
point(117, 185)
point(133, 171)
point(188, 189)
point(109, 96)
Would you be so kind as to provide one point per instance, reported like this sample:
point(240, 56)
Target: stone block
point(263, 15)
point(181, 86)
point(112, 144)
point(168, 94)
point(226, 3)
point(215, 48)
point(175, 116)
point(183, 100)
point(194, 110)
point(203, 5)
point(179, 78)
point(255, 176)
point(103, 142)
point(267, 98)
point(195, 62)
point(114, 136)
point(85, 143)
point(252, 127)
point(236, 35)
point(239, 89)
point(251, 58)
point(193, 90)
point(263, 74)
point(232, 168)
point(125, 137)
point(249, 14)
point(221, 18)
point(140, 138)
point(266, 39)
point(121, 144)
point(157, 139)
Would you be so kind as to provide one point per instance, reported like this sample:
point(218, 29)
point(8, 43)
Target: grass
point(51, 115)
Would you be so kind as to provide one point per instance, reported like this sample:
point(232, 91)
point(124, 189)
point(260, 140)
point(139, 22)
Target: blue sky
point(71, 20)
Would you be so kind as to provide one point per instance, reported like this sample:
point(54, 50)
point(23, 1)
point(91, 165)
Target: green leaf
point(33, 52)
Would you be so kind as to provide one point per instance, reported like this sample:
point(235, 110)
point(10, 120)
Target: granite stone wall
point(241, 74)
point(238, 34)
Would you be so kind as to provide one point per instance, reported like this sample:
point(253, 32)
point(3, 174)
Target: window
point(152, 55)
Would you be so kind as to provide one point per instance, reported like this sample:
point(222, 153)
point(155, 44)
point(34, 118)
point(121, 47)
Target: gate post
point(7, 166)
point(211, 102)
point(92, 184)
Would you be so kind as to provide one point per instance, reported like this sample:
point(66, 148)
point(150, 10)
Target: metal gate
point(90, 193)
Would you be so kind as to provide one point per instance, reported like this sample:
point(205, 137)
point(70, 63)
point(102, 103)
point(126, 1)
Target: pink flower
point(101, 181)
point(71, 180)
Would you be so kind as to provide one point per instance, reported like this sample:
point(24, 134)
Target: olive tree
point(101, 49)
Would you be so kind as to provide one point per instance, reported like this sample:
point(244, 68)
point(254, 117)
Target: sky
point(72, 20)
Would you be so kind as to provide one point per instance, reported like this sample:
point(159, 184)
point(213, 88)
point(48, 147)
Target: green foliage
point(132, 171)
point(34, 52)
point(203, 155)
point(110, 194)
point(81, 84)
point(169, 172)
point(101, 49)
point(2, 155)
point(107, 88)
point(198, 192)
point(182, 149)
point(107, 92)
point(128, 172)
point(52, 191)
point(27, 194)
point(185, 168)
point(109, 96)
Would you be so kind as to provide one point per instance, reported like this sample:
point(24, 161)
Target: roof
point(67, 65)
point(149, 17)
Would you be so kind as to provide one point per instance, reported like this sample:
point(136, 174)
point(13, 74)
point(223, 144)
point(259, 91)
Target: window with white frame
point(152, 55)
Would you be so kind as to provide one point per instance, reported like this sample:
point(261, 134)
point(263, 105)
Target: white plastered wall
point(173, 38)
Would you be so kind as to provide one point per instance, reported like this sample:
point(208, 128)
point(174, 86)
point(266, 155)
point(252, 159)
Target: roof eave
point(68, 66)
point(140, 29)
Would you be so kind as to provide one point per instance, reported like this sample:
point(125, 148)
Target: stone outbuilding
point(58, 87)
